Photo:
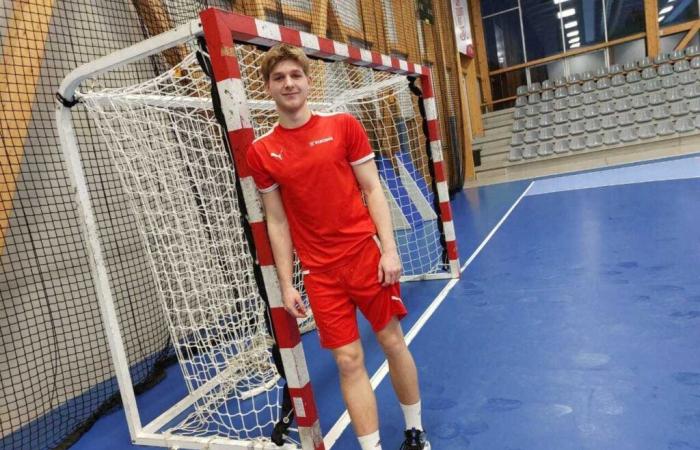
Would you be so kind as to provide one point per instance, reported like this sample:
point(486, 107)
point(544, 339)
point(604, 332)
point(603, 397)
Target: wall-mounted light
point(572, 33)
point(574, 40)
point(571, 24)
point(556, 2)
point(566, 13)
point(578, 44)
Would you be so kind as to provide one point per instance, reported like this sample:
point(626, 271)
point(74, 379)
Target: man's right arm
point(283, 251)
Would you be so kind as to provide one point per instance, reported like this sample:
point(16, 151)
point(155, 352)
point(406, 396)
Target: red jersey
point(312, 167)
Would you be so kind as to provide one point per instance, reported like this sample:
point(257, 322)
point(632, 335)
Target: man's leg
point(356, 388)
point(402, 368)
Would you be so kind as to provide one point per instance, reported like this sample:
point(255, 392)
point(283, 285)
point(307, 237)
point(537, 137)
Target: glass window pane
point(677, 11)
point(628, 52)
point(542, 28)
point(505, 85)
point(669, 43)
point(551, 71)
point(496, 6)
point(624, 17)
point(585, 23)
point(504, 45)
point(588, 62)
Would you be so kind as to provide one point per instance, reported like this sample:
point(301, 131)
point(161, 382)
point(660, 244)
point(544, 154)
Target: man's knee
point(350, 361)
point(391, 339)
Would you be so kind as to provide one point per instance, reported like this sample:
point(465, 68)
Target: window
point(677, 11)
point(628, 52)
point(669, 43)
point(542, 28)
point(489, 7)
point(624, 17)
point(504, 43)
point(505, 85)
point(587, 62)
point(551, 71)
point(585, 26)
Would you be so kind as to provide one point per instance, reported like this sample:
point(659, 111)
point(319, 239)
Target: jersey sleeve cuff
point(269, 188)
point(363, 159)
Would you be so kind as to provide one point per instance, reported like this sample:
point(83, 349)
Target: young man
point(313, 170)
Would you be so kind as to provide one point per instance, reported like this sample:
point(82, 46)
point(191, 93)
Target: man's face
point(288, 86)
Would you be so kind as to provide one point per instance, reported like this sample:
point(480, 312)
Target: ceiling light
point(574, 40)
point(571, 24)
point(661, 18)
point(572, 33)
point(566, 13)
point(556, 2)
point(666, 10)
point(576, 45)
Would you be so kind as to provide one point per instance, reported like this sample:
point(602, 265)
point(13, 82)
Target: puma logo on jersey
point(276, 155)
point(397, 299)
point(321, 141)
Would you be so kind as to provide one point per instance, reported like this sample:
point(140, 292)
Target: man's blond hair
point(282, 52)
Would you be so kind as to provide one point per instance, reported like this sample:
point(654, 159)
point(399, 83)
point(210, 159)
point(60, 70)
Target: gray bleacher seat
point(594, 140)
point(575, 114)
point(532, 110)
point(561, 146)
point(681, 66)
point(695, 62)
point(643, 115)
point(588, 86)
point(548, 84)
point(609, 122)
point(546, 134)
point(633, 76)
point(517, 139)
point(645, 62)
point(589, 98)
point(592, 125)
point(601, 72)
point(628, 134)
point(618, 80)
point(622, 104)
point(560, 82)
point(578, 127)
point(515, 154)
point(547, 120)
point(606, 108)
point(629, 66)
point(585, 76)
point(547, 96)
point(668, 82)
point(648, 73)
point(693, 50)
point(520, 101)
point(665, 70)
point(665, 128)
point(688, 78)
point(578, 143)
point(561, 131)
point(522, 90)
point(603, 83)
point(574, 78)
point(614, 68)
point(530, 151)
point(680, 109)
point(677, 55)
point(661, 58)
point(560, 92)
point(660, 112)
point(694, 105)
point(545, 149)
point(533, 99)
point(531, 137)
point(657, 98)
point(639, 102)
point(647, 131)
point(696, 121)
point(591, 111)
point(675, 94)
point(636, 89)
point(561, 117)
point(560, 104)
point(574, 101)
point(531, 123)
point(611, 137)
point(620, 91)
point(546, 108)
point(574, 89)
point(692, 91)
point(534, 87)
point(626, 118)
point(518, 125)
point(519, 113)
point(652, 85)
point(684, 125)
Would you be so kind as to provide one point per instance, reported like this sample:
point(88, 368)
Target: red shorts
point(335, 295)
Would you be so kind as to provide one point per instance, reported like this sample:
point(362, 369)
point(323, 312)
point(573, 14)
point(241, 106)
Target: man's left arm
point(389, 269)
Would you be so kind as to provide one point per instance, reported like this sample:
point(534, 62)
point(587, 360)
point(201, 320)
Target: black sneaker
point(415, 440)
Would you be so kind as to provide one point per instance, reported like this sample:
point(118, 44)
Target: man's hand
point(293, 303)
point(389, 269)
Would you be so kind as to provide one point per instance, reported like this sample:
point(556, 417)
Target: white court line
point(342, 423)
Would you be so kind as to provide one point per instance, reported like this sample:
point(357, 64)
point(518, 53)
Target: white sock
point(370, 441)
point(411, 413)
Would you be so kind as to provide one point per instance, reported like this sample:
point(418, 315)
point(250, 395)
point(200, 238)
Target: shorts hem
point(399, 316)
point(341, 343)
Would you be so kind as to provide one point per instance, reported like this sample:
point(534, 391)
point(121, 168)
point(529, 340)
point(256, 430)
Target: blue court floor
point(575, 325)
